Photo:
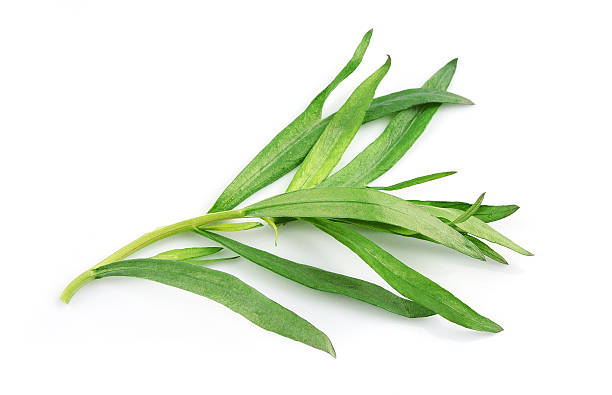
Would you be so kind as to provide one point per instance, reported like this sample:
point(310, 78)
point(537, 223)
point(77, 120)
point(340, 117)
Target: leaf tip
point(330, 348)
point(271, 222)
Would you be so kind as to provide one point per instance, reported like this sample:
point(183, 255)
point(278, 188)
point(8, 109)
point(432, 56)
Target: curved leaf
point(278, 157)
point(415, 181)
point(323, 280)
point(407, 281)
point(338, 134)
point(476, 227)
point(484, 212)
point(399, 135)
point(227, 290)
point(362, 204)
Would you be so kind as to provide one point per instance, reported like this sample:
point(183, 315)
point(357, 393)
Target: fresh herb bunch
point(336, 204)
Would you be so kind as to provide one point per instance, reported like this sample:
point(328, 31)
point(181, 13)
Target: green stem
point(143, 241)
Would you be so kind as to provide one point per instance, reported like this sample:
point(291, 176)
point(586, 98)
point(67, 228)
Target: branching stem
point(145, 240)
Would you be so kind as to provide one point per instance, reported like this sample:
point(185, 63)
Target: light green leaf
point(225, 289)
point(362, 204)
point(470, 211)
point(415, 181)
point(484, 212)
point(232, 227)
point(182, 254)
point(323, 280)
point(407, 281)
point(476, 227)
point(401, 133)
point(287, 148)
point(338, 134)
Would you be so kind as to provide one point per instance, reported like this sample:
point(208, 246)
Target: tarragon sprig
point(337, 203)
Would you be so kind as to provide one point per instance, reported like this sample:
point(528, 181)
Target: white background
point(120, 116)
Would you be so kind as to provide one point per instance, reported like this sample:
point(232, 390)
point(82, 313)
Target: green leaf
point(398, 230)
point(484, 212)
point(399, 135)
point(487, 250)
point(338, 134)
point(476, 227)
point(323, 280)
point(396, 101)
point(407, 281)
point(362, 204)
point(270, 221)
point(287, 148)
point(470, 211)
point(232, 227)
point(207, 261)
point(415, 181)
point(182, 254)
point(225, 289)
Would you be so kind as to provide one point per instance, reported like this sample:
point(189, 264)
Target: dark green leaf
point(207, 261)
point(328, 150)
point(401, 133)
point(407, 281)
point(415, 181)
point(396, 101)
point(362, 204)
point(226, 290)
point(484, 212)
point(323, 280)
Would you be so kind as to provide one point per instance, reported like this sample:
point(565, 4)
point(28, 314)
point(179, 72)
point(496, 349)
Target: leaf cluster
point(340, 203)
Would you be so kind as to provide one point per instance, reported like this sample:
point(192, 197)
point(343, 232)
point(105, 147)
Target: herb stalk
point(145, 240)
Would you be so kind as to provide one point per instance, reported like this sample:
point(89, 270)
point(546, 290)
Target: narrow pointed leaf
point(476, 227)
point(323, 280)
point(395, 102)
point(270, 221)
point(232, 227)
point(286, 150)
point(227, 290)
point(470, 211)
point(398, 230)
point(484, 212)
point(487, 250)
point(207, 261)
point(407, 281)
point(338, 134)
point(397, 138)
point(362, 204)
point(182, 254)
point(415, 181)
